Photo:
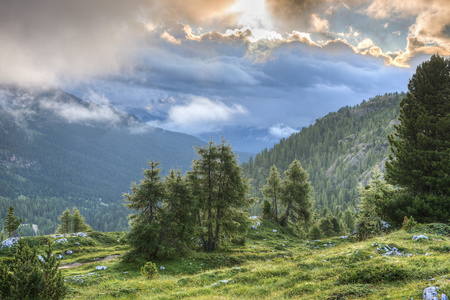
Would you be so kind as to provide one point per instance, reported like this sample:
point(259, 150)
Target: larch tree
point(296, 195)
point(272, 190)
point(221, 192)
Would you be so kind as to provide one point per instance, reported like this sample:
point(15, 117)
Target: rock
point(9, 242)
point(421, 236)
point(431, 293)
point(254, 227)
point(61, 241)
point(101, 268)
point(81, 234)
point(275, 230)
point(344, 237)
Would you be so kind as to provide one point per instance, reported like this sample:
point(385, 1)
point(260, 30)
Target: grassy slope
point(265, 269)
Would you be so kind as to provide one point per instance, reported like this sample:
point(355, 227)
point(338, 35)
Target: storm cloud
point(272, 65)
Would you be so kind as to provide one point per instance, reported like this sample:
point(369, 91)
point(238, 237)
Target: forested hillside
point(338, 151)
point(58, 151)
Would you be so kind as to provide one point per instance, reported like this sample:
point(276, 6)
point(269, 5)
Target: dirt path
point(76, 264)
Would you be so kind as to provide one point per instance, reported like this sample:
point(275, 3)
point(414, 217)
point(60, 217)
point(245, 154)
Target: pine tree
point(54, 287)
point(26, 277)
point(349, 220)
point(11, 222)
point(78, 222)
point(72, 222)
point(146, 199)
point(372, 196)
point(272, 190)
point(420, 160)
point(66, 222)
point(178, 216)
point(295, 196)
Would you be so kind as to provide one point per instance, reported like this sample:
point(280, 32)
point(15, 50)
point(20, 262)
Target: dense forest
point(338, 151)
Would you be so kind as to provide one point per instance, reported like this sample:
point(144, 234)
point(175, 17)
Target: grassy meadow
point(270, 265)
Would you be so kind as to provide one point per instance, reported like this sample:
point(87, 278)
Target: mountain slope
point(338, 151)
point(57, 151)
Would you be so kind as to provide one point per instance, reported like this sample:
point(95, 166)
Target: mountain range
point(58, 151)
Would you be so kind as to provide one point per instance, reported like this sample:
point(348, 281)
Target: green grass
point(265, 269)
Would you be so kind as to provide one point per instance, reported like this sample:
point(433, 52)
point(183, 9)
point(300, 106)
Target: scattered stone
point(69, 252)
point(421, 236)
point(9, 242)
point(344, 237)
point(431, 293)
point(61, 241)
point(254, 227)
point(253, 217)
point(163, 268)
point(275, 230)
point(101, 268)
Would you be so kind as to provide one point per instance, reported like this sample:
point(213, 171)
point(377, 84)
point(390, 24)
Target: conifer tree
point(178, 216)
point(221, 193)
point(296, 195)
point(267, 210)
point(420, 160)
point(26, 277)
point(66, 222)
point(72, 222)
point(146, 199)
point(78, 222)
point(372, 196)
point(349, 220)
point(272, 190)
point(11, 221)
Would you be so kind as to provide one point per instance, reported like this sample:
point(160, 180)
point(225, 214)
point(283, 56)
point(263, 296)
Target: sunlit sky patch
point(265, 66)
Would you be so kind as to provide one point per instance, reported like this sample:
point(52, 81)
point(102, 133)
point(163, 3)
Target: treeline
point(44, 212)
point(337, 151)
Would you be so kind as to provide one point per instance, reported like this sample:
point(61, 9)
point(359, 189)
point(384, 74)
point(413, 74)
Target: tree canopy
point(420, 160)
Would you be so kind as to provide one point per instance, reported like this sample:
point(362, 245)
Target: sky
point(202, 66)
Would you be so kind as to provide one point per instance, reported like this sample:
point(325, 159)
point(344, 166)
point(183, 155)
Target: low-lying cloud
point(281, 131)
point(201, 115)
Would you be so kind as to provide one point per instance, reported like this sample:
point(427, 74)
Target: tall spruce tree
point(420, 160)
point(272, 190)
point(296, 195)
point(12, 223)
